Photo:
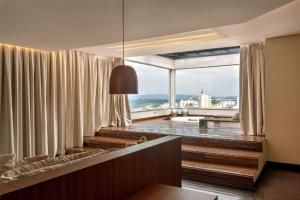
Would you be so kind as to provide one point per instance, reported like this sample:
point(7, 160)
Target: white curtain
point(252, 100)
point(50, 101)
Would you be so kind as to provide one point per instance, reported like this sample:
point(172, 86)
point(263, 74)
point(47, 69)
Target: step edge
point(219, 171)
point(228, 155)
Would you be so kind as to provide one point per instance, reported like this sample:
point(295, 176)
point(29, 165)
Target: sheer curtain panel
point(50, 100)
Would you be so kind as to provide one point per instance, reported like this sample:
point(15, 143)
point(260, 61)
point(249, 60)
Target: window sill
point(150, 113)
point(192, 111)
point(216, 109)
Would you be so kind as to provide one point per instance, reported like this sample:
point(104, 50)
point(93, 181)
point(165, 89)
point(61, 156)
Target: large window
point(153, 88)
point(208, 88)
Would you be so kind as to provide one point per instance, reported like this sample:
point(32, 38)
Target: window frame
point(172, 96)
point(169, 88)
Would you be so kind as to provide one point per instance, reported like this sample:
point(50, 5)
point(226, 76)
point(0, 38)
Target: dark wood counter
point(114, 175)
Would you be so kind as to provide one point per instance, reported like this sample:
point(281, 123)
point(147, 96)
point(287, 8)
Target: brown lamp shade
point(123, 80)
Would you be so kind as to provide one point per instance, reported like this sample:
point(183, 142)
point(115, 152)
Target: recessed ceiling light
point(195, 36)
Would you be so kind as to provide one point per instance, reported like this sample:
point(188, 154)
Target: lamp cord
point(123, 22)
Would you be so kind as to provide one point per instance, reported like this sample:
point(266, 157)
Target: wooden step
point(80, 150)
point(240, 144)
point(220, 156)
point(226, 175)
point(108, 142)
point(116, 133)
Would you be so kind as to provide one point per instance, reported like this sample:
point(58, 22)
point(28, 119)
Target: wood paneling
point(225, 175)
point(114, 175)
point(247, 145)
point(221, 155)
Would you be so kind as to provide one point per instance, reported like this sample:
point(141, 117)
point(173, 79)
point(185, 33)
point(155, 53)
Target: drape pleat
point(102, 106)
point(252, 102)
point(50, 100)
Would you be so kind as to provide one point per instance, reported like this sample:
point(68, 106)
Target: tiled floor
point(276, 184)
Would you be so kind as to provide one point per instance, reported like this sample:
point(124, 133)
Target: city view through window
point(153, 88)
point(203, 88)
point(208, 88)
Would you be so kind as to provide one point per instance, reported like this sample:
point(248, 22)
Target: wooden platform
point(221, 130)
point(227, 175)
point(221, 155)
point(108, 142)
point(114, 175)
point(165, 192)
point(79, 150)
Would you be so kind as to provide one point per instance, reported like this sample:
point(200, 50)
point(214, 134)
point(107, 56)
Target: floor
point(276, 184)
point(225, 130)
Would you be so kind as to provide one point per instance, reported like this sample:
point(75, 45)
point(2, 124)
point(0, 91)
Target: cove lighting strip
point(169, 41)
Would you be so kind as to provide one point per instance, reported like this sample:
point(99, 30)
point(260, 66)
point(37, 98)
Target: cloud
point(217, 81)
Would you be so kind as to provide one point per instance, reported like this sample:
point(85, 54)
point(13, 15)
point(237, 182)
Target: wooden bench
point(166, 192)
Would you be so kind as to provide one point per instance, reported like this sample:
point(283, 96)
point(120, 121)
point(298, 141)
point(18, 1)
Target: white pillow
point(6, 162)
point(32, 167)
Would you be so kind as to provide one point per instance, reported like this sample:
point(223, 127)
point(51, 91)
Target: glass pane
point(153, 88)
point(213, 87)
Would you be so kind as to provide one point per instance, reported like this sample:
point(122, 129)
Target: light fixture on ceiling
point(178, 39)
point(123, 79)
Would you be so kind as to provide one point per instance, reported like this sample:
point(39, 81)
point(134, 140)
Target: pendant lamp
point(123, 78)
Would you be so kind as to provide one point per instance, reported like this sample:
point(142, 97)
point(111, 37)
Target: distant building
point(204, 100)
point(188, 103)
point(228, 103)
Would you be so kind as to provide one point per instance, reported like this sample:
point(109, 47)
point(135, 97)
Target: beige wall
point(283, 99)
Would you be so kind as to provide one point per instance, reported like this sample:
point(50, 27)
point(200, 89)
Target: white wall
point(282, 77)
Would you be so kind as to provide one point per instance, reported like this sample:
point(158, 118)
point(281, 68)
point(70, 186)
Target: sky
point(216, 81)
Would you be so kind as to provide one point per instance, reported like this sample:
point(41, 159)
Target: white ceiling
point(278, 22)
point(65, 24)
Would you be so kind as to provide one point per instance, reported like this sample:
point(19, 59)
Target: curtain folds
point(50, 100)
point(252, 100)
